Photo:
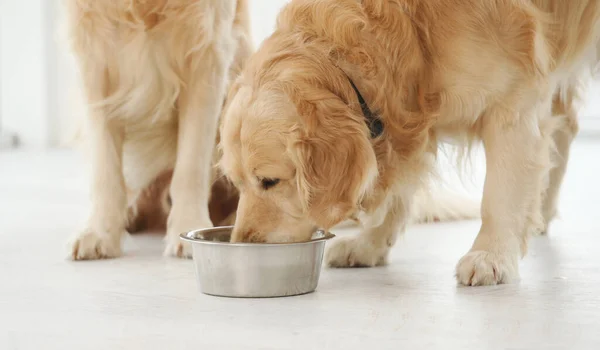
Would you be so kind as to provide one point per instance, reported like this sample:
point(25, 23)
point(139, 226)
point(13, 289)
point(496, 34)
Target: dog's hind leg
point(566, 128)
point(150, 207)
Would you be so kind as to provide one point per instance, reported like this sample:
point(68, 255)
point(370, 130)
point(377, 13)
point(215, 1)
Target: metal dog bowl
point(255, 270)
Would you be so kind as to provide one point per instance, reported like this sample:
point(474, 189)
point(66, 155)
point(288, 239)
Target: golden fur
point(506, 72)
point(155, 73)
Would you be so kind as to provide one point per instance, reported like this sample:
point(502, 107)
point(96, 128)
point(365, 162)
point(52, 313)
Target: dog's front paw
point(91, 244)
point(483, 268)
point(178, 248)
point(174, 245)
point(354, 252)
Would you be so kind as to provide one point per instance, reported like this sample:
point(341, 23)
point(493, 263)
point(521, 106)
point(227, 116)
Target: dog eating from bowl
point(340, 112)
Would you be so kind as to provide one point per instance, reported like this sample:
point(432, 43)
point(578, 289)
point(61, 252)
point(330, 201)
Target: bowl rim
point(186, 237)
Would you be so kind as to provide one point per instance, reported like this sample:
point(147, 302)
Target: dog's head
point(296, 145)
point(294, 139)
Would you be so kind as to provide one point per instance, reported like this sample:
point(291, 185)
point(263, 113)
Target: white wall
point(589, 120)
point(23, 73)
point(263, 14)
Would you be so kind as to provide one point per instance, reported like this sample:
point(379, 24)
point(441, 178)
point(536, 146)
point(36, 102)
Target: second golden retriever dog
point(155, 74)
point(340, 112)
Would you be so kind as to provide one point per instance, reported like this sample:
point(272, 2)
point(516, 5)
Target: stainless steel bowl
point(255, 270)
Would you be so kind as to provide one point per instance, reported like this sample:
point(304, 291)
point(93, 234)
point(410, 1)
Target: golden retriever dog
point(340, 112)
point(155, 74)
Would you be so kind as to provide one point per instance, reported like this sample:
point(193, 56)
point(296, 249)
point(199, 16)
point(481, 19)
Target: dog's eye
point(268, 183)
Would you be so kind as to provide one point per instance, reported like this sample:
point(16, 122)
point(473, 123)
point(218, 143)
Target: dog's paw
point(483, 268)
point(354, 252)
point(178, 249)
point(91, 245)
point(174, 245)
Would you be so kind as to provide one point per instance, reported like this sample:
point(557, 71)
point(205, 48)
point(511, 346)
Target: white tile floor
point(145, 301)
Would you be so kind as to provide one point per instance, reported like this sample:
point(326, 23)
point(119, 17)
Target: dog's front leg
point(108, 218)
point(371, 247)
point(199, 109)
point(517, 160)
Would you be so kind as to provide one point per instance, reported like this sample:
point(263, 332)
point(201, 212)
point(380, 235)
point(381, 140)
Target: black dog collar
point(373, 122)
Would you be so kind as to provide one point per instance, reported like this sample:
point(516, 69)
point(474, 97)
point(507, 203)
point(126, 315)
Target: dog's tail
point(448, 194)
point(443, 204)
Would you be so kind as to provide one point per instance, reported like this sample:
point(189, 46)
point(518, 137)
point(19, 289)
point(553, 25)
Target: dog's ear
point(334, 158)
